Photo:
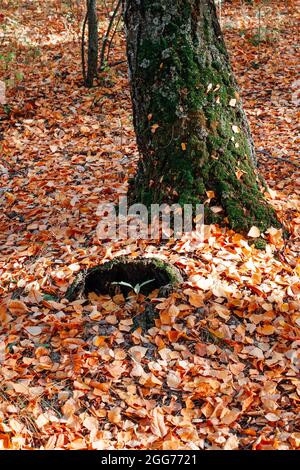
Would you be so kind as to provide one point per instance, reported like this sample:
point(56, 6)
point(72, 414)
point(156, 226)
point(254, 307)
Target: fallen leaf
point(114, 415)
point(272, 417)
point(254, 232)
point(158, 426)
point(17, 307)
point(137, 352)
point(91, 423)
point(34, 330)
point(266, 330)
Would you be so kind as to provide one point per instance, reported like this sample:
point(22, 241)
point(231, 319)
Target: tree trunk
point(192, 132)
point(92, 42)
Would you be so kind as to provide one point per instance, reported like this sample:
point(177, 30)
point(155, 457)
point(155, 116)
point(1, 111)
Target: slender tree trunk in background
point(106, 38)
point(191, 129)
point(92, 42)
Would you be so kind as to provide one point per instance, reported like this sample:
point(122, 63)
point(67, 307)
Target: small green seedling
point(137, 288)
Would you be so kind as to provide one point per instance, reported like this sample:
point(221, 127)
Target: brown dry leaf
point(232, 443)
point(257, 352)
point(17, 427)
point(114, 415)
point(197, 300)
point(21, 388)
point(41, 420)
point(173, 380)
point(137, 352)
point(69, 408)
point(4, 315)
point(230, 416)
point(158, 426)
point(206, 389)
point(137, 371)
point(91, 423)
point(266, 330)
point(17, 307)
point(78, 444)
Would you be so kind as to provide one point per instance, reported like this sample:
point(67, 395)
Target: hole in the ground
point(137, 272)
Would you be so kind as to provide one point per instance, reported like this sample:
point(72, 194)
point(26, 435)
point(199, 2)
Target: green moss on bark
point(191, 138)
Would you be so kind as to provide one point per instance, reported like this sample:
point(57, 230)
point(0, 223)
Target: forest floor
point(220, 370)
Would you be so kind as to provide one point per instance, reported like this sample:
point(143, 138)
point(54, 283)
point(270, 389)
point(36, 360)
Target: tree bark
point(92, 42)
point(192, 132)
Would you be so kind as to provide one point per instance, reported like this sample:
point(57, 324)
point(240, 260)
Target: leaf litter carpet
point(220, 368)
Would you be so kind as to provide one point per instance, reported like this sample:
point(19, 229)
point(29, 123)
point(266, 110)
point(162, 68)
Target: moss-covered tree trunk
point(191, 129)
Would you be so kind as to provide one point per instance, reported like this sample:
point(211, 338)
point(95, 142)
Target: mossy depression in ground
point(134, 271)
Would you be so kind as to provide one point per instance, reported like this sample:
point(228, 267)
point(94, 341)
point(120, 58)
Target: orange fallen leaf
point(137, 352)
point(17, 307)
point(196, 300)
point(91, 423)
point(266, 330)
point(21, 388)
point(69, 408)
point(158, 426)
point(230, 417)
point(4, 315)
point(114, 415)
